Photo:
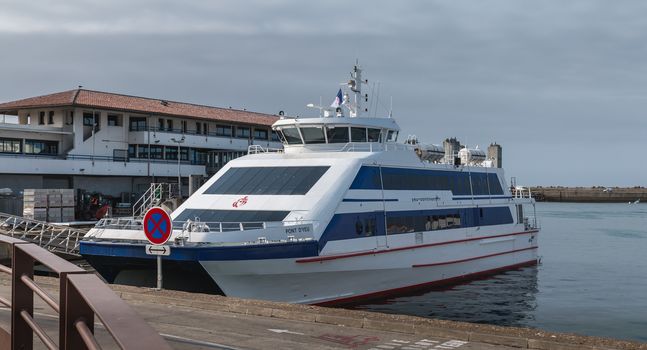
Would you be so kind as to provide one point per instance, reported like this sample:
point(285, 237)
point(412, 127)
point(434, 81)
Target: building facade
point(115, 144)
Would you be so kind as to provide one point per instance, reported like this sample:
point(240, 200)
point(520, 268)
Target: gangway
point(156, 194)
point(58, 239)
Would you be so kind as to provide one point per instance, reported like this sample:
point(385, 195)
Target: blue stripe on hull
point(246, 252)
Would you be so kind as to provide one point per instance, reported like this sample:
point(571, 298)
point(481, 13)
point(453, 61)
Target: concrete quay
point(200, 321)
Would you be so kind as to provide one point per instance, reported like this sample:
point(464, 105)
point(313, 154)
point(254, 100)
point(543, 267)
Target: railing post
point(76, 309)
point(63, 318)
point(22, 298)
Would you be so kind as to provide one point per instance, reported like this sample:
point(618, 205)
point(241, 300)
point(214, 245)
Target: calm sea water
point(592, 279)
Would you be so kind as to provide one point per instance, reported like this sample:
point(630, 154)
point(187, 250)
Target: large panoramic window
point(230, 216)
point(270, 180)
point(313, 134)
point(461, 183)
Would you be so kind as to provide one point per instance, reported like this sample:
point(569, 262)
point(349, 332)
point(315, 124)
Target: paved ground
point(198, 321)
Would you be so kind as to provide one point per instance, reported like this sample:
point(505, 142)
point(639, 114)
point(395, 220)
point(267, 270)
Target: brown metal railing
point(82, 296)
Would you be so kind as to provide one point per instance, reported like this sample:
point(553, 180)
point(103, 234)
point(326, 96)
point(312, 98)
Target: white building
point(112, 143)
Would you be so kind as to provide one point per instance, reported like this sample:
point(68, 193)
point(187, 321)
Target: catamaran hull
point(355, 277)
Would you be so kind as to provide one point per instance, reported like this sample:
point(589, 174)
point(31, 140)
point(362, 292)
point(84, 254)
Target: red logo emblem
point(240, 202)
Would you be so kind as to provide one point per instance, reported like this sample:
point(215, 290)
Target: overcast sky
point(562, 85)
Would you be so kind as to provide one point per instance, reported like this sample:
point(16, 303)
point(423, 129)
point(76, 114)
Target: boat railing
point(519, 192)
point(256, 149)
point(134, 223)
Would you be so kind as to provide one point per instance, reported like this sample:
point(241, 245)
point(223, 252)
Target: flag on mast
point(338, 100)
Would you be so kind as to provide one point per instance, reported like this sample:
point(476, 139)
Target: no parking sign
point(157, 225)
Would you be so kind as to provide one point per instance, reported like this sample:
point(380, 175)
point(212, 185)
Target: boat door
point(379, 229)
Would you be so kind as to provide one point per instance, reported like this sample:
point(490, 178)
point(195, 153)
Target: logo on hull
point(240, 202)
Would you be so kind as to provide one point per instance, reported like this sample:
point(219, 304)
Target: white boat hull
point(346, 278)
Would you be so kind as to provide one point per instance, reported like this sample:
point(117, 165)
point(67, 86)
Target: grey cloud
point(562, 85)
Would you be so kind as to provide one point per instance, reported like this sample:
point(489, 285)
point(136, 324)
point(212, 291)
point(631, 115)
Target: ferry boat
point(344, 212)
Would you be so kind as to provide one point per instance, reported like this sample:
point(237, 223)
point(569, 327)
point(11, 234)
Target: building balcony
point(191, 139)
point(96, 165)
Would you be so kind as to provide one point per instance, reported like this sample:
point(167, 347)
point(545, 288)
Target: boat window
point(268, 180)
point(231, 216)
point(337, 134)
point(313, 134)
point(292, 136)
point(358, 134)
point(374, 135)
point(392, 136)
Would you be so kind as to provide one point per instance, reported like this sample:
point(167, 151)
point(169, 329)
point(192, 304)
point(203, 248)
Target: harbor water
point(592, 279)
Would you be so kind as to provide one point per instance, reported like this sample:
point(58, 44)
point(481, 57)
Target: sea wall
point(590, 194)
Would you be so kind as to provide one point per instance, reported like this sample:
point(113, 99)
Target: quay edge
point(508, 337)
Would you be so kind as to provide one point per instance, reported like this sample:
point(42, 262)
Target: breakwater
point(590, 194)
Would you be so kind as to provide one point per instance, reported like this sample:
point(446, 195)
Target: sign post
point(158, 227)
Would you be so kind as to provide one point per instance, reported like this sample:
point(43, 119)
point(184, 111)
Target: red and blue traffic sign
point(157, 225)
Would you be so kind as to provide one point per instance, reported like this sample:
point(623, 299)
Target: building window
point(115, 120)
point(160, 124)
point(142, 151)
point(260, 134)
point(50, 119)
point(10, 146)
point(41, 118)
point(169, 124)
point(183, 124)
point(138, 124)
point(170, 153)
point(132, 151)
point(157, 152)
point(205, 128)
point(223, 130)
point(242, 132)
point(198, 128)
point(90, 119)
point(41, 147)
point(184, 154)
point(275, 136)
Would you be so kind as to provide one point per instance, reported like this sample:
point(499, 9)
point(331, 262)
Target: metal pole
point(159, 272)
point(179, 175)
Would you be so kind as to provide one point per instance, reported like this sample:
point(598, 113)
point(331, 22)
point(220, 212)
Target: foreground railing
point(82, 296)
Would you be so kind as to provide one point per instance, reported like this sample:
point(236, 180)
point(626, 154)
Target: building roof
point(106, 100)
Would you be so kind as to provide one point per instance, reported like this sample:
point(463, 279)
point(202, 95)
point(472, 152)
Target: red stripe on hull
point(374, 252)
point(422, 286)
point(474, 258)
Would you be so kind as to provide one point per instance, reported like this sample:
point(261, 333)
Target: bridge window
point(337, 134)
point(392, 136)
point(374, 135)
point(313, 134)
point(292, 136)
point(268, 180)
point(358, 134)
